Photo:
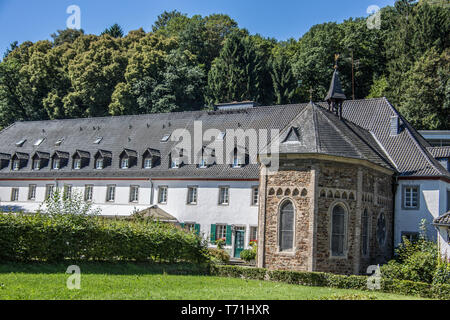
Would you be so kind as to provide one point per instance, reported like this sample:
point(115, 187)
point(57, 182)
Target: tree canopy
point(191, 63)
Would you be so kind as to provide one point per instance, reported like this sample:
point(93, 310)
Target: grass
point(139, 281)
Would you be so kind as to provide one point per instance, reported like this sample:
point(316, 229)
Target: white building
point(129, 163)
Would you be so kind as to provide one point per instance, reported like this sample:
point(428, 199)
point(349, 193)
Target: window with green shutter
point(197, 229)
point(213, 233)
point(228, 237)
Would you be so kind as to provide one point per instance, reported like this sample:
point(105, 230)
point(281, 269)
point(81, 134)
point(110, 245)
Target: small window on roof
point(221, 135)
point(38, 142)
point(98, 140)
point(165, 138)
point(20, 143)
point(58, 142)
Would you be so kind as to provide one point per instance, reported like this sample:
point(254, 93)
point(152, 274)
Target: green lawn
point(131, 281)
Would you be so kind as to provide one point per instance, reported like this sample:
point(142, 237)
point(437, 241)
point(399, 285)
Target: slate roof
point(440, 152)
point(363, 134)
point(443, 220)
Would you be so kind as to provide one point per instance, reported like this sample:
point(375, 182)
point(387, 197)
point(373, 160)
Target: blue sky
point(24, 20)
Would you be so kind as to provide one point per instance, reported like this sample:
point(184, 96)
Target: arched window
point(365, 232)
point(338, 226)
point(287, 226)
point(381, 230)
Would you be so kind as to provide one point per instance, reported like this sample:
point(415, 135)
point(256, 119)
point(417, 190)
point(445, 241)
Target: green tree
point(236, 75)
point(426, 98)
point(114, 31)
point(67, 35)
point(284, 83)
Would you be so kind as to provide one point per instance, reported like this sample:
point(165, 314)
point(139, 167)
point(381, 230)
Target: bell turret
point(335, 96)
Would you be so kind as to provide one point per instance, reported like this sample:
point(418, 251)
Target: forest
point(191, 63)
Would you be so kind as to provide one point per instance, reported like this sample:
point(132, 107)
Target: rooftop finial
point(336, 58)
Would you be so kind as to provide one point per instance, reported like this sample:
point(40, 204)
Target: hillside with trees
point(191, 63)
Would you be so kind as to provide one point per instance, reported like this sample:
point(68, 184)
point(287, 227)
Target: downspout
point(394, 192)
point(151, 190)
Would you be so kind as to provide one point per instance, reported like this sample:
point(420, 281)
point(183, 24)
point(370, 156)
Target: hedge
point(319, 279)
point(43, 238)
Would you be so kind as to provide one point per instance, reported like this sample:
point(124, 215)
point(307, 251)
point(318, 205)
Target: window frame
point(256, 233)
point(134, 196)
point(15, 194)
point(293, 249)
point(254, 203)
point(148, 159)
point(38, 162)
point(224, 226)
point(345, 207)
point(404, 197)
point(108, 188)
point(195, 195)
point(30, 193)
point(166, 193)
point(91, 193)
point(14, 163)
point(98, 161)
point(49, 190)
point(221, 203)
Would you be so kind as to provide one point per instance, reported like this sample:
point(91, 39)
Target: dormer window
point(80, 159)
point(103, 159)
point(151, 158)
point(238, 159)
point(19, 161)
point(4, 160)
point(128, 159)
point(60, 159)
point(40, 160)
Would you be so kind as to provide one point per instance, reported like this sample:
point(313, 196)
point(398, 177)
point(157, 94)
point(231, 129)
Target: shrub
point(404, 287)
point(84, 237)
point(218, 255)
point(248, 255)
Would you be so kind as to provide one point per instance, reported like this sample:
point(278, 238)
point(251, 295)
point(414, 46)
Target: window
point(77, 163)
point(221, 135)
point(124, 163)
point(36, 164)
point(56, 163)
point(165, 138)
point(381, 230)
point(20, 143)
point(338, 227)
point(38, 142)
point(410, 236)
point(221, 231)
point(15, 194)
point(49, 190)
point(67, 191)
point(189, 226)
point(16, 165)
point(147, 163)
point(224, 196)
point(192, 195)
point(32, 192)
point(365, 232)
point(134, 193)
point(255, 196)
point(175, 164)
point(286, 226)
point(410, 197)
point(162, 195)
point(236, 161)
point(253, 233)
point(98, 140)
point(99, 164)
point(88, 192)
point(203, 163)
point(110, 193)
point(59, 142)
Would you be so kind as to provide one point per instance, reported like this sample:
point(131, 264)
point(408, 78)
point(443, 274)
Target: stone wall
point(325, 184)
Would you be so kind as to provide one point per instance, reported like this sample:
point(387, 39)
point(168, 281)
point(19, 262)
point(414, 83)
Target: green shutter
point(228, 242)
point(182, 225)
point(197, 229)
point(213, 233)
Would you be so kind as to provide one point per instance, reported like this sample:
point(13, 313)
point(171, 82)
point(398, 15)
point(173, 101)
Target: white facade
point(240, 211)
point(432, 203)
point(444, 241)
